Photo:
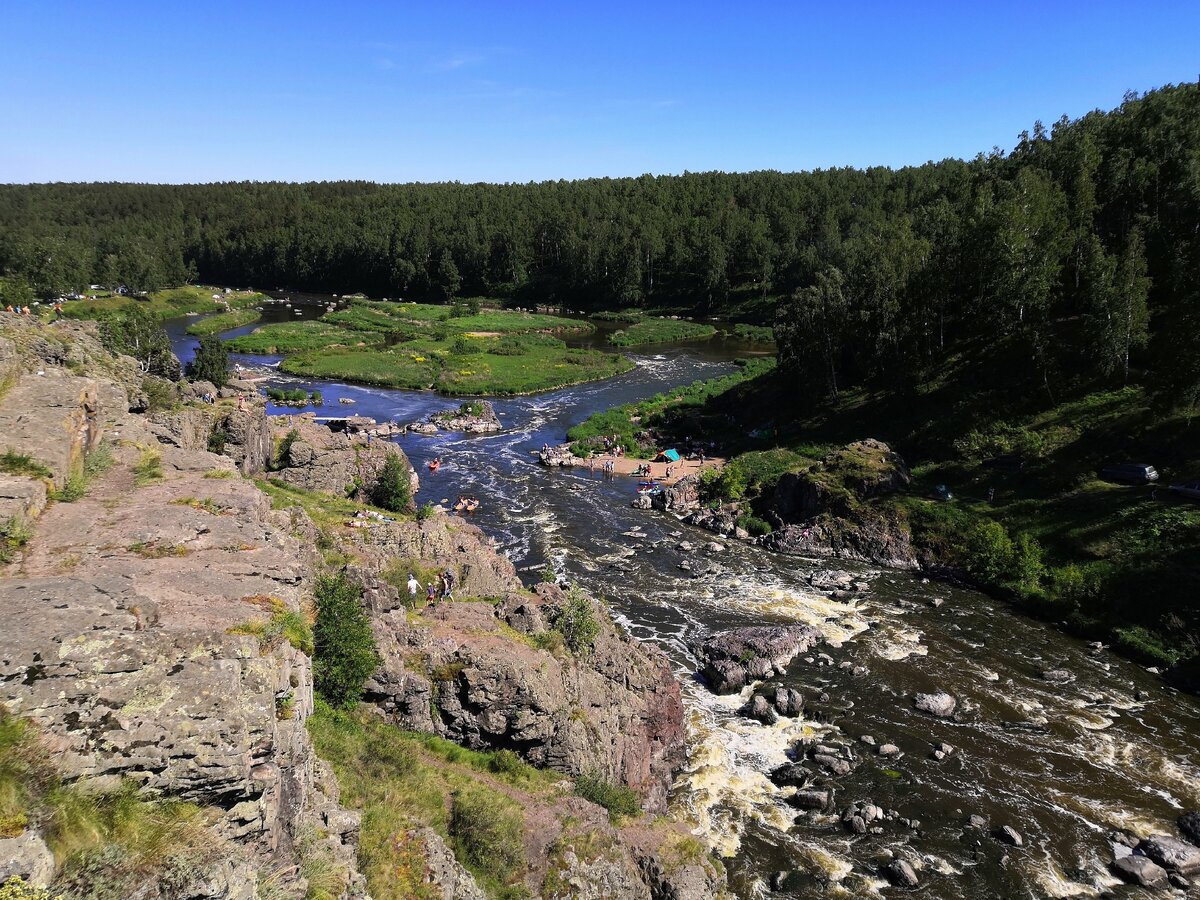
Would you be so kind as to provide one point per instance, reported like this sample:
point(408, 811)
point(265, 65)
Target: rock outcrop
point(732, 659)
point(241, 434)
point(476, 417)
point(334, 462)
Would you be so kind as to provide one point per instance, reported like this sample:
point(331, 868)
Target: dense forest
point(1079, 251)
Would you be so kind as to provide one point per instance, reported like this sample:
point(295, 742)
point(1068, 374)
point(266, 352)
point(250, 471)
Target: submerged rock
point(730, 660)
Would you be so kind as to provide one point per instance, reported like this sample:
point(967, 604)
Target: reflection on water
point(1063, 764)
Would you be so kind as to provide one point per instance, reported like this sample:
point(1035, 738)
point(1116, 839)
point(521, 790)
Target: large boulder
point(243, 435)
point(859, 471)
point(680, 497)
point(938, 704)
point(1172, 854)
point(333, 462)
point(474, 417)
point(1189, 826)
point(1141, 871)
point(730, 660)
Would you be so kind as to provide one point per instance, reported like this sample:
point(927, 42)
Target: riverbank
point(563, 457)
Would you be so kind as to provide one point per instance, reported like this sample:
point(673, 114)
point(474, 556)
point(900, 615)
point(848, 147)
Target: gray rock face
point(26, 856)
point(444, 875)
point(247, 436)
point(940, 704)
point(1009, 835)
point(330, 461)
point(788, 701)
point(1173, 855)
point(810, 799)
point(731, 659)
point(1140, 871)
point(473, 418)
point(680, 497)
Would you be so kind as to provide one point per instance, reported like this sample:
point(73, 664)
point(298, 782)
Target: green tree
point(446, 278)
point(811, 328)
point(576, 621)
point(392, 490)
point(345, 654)
point(134, 332)
point(211, 362)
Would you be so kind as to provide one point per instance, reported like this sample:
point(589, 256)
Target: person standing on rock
point(447, 585)
point(413, 587)
point(430, 594)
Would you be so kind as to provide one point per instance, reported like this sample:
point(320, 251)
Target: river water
point(1063, 764)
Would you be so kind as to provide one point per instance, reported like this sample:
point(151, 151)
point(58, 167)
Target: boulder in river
point(729, 660)
point(1140, 871)
point(901, 873)
point(1058, 676)
point(1173, 855)
point(939, 704)
point(1009, 835)
point(760, 710)
point(810, 799)
point(1189, 825)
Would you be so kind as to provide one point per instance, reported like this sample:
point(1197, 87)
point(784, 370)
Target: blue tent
point(668, 455)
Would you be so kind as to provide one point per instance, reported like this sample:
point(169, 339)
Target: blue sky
point(520, 91)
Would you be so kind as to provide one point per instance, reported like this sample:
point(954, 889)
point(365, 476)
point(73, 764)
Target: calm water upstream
point(1062, 764)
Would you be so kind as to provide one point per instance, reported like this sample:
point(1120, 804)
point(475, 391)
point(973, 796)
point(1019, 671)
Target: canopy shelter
point(667, 456)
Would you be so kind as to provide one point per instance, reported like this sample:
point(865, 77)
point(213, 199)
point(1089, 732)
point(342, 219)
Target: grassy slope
point(1117, 563)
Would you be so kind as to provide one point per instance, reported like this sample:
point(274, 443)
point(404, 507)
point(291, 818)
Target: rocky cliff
point(149, 592)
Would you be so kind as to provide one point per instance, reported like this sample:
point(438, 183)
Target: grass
point(660, 331)
point(618, 799)
point(326, 511)
point(422, 346)
point(80, 478)
point(284, 624)
point(14, 463)
point(402, 780)
point(227, 321)
point(105, 842)
point(164, 304)
point(667, 417)
point(509, 365)
point(296, 337)
point(15, 533)
point(148, 468)
point(759, 334)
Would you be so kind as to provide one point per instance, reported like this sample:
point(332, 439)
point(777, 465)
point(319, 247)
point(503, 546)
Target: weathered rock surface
point(1189, 825)
point(826, 510)
point(680, 497)
point(245, 433)
point(444, 875)
point(477, 417)
point(1173, 855)
point(321, 459)
point(26, 856)
point(1141, 871)
point(730, 660)
point(901, 873)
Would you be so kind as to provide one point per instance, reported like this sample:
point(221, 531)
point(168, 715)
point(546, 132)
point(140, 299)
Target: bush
point(211, 362)
point(618, 799)
point(160, 394)
point(576, 621)
point(216, 440)
point(392, 490)
point(487, 829)
point(16, 889)
point(317, 398)
point(424, 511)
point(1027, 565)
point(345, 654)
point(284, 449)
point(990, 552)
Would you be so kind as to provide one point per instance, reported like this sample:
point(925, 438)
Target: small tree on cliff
point(391, 490)
point(344, 654)
point(211, 362)
point(576, 621)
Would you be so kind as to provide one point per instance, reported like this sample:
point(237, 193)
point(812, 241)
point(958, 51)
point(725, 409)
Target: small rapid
point(1062, 763)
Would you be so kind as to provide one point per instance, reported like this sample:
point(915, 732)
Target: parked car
point(1130, 473)
point(1189, 489)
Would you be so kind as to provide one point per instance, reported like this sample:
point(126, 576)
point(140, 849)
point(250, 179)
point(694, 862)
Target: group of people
point(442, 584)
point(368, 518)
point(466, 504)
point(18, 310)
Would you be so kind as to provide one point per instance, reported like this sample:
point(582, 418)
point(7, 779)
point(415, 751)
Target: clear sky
point(519, 91)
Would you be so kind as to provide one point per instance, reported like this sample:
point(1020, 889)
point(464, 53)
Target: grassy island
point(215, 324)
point(419, 346)
point(660, 331)
point(167, 303)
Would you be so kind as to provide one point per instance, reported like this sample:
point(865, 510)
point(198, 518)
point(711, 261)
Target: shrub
point(989, 552)
point(345, 652)
point(216, 440)
point(618, 799)
point(424, 511)
point(474, 306)
point(284, 449)
point(284, 625)
point(16, 889)
point(14, 534)
point(576, 621)
point(160, 394)
point(487, 829)
point(549, 576)
point(391, 490)
point(1027, 565)
point(317, 398)
point(211, 362)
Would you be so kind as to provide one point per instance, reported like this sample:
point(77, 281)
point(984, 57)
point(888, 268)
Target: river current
point(1063, 764)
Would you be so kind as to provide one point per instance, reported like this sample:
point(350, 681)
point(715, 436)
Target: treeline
point(1078, 253)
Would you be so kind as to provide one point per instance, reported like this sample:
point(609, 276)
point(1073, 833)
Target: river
point(1063, 764)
